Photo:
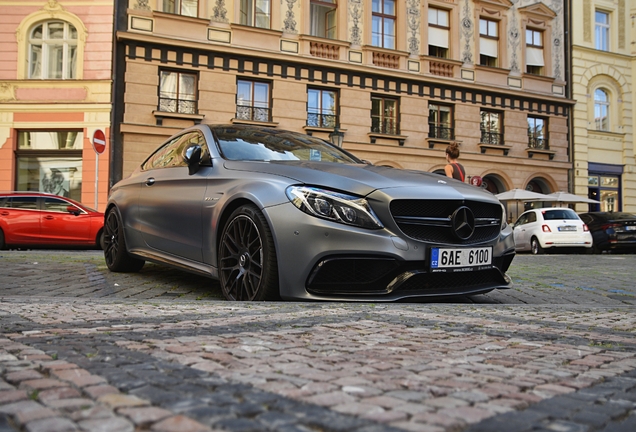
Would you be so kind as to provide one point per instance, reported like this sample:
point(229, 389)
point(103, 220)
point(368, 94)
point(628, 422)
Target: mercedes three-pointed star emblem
point(463, 222)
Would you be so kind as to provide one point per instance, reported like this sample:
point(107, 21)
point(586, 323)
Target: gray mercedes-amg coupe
point(274, 214)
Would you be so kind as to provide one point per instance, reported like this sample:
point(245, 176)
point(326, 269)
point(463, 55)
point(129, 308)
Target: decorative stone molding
point(587, 21)
point(413, 19)
point(355, 22)
point(7, 92)
point(219, 12)
point(142, 5)
point(514, 39)
point(289, 24)
point(467, 33)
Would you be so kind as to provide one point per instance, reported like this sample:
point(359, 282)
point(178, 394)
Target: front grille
point(364, 276)
point(430, 220)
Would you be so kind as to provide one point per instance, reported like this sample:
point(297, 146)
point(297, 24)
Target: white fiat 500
point(540, 230)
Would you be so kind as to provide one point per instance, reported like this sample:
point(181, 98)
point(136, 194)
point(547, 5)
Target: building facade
point(55, 93)
point(603, 60)
point(399, 80)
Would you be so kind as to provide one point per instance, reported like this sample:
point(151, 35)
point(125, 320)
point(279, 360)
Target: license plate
point(567, 228)
point(443, 259)
point(630, 227)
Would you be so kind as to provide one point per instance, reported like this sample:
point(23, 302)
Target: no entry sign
point(99, 141)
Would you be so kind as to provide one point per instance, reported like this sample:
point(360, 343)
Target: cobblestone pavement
point(83, 349)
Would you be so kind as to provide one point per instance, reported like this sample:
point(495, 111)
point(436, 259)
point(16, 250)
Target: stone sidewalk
point(175, 363)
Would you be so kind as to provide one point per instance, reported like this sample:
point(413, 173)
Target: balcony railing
point(252, 113)
point(440, 68)
point(538, 143)
point(386, 60)
point(324, 50)
point(491, 138)
point(181, 106)
point(384, 126)
point(322, 120)
point(441, 132)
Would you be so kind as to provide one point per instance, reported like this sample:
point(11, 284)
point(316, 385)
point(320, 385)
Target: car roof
point(611, 215)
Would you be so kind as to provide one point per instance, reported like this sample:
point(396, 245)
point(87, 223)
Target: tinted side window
point(532, 217)
point(57, 205)
point(30, 203)
point(172, 154)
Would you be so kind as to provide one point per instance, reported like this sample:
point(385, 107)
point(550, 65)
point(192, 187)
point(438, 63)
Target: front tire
point(535, 247)
point(115, 254)
point(248, 269)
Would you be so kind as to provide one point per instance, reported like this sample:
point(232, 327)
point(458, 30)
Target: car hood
point(362, 179)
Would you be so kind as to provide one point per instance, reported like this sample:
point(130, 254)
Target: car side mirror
point(193, 158)
point(73, 210)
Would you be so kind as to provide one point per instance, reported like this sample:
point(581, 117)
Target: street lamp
point(336, 137)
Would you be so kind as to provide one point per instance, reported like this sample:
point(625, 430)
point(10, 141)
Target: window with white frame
point(488, 42)
point(253, 100)
point(255, 13)
point(323, 18)
point(601, 110)
point(602, 31)
point(53, 51)
point(438, 32)
point(181, 7)
point(534, 52)
point(383, 23)
point(177, 92)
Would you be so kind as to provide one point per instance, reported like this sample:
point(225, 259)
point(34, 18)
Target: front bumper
point(322, 260)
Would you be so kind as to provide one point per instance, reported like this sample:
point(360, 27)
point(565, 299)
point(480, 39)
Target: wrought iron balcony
point(181, 106)
point(253, 113)
point(493, 138)
point(441, 132)
point(322, 120)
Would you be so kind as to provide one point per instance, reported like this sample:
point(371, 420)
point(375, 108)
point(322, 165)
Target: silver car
point(274, 214)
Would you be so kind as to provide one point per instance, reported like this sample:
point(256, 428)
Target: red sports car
point(34, 219)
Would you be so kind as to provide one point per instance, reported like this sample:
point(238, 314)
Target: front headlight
point(334, 206)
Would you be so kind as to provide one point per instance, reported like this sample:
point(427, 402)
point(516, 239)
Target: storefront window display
point(50, 161)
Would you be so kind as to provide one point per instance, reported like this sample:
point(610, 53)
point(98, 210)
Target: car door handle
point(4, 213)
point(150, 181)
point(49, 217)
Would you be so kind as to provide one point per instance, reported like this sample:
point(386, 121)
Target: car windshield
point(254, 144)
point(559, 214)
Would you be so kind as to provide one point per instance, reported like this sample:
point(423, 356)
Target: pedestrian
point(454, 169)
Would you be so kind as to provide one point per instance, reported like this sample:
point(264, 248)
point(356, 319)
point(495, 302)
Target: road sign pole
point(96, 177)
point(99, 145)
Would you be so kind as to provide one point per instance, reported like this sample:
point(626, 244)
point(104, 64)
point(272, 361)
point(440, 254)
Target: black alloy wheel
point(2, 245)
point(248, 270)
point(115, 253)
point(535, 246)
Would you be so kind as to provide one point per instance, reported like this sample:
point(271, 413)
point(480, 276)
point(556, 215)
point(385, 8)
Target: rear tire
point(2, 245)
point(535, 247)
point(99, 242)
point(248, 268)
point(115, 254)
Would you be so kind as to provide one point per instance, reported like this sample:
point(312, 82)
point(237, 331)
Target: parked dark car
point(34, 219)
point(278, 214)
point(612, 231)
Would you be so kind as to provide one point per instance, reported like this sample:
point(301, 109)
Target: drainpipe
point(120, 23)
point(567, 52)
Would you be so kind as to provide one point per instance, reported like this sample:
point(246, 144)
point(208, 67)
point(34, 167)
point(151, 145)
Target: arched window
point(53, 51)
point(601, 110)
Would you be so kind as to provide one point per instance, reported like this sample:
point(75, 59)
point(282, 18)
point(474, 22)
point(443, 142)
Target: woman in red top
point(454, 169)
